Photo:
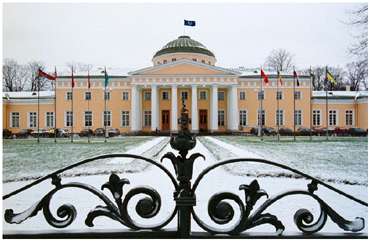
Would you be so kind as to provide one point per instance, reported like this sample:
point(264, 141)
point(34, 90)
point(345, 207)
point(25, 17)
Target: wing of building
point(149, 99)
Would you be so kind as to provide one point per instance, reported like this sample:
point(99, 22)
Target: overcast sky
point(127, 35)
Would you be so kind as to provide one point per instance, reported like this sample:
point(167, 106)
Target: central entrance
point(203, 120)
point(165, 120)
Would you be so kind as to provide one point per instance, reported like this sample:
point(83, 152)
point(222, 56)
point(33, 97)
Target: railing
point(219, 208)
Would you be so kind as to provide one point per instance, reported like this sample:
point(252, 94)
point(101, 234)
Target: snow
point(218, 180)
point(28, 94)
point(340, 93)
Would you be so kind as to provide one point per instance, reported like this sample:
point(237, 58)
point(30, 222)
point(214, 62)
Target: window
point(32, 119)
point(107, 118)
point(242, 95)
point(203, 61)
point(125, 119)
point(165, 61)
point(184, 95)
point(221, 95)
point(298, 117)
point(68, 118)
point(147, 95)
point(69, 95)
point(221, 118)
point(263, 117)
point(124, 95)
point(243, 118)
point(279, 117)
point(279, 95)
point(297, 95)
point(107, 95)
point(173, 59)
point(349, 117)
point(165, 95)
point(332, 117)
point(49, 119)
point(195, 60)
point(14, 120)
point(316, 117)
point(88, 118)
point(261, 95)
point(87, 95)
point(203, 95)
point(147, 118)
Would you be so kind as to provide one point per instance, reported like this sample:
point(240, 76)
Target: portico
point(160, 104)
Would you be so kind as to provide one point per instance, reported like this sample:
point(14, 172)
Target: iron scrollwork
point(220, 210)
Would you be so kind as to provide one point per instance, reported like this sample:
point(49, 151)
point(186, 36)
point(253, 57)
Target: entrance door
point(165, 120)
point(203, 120)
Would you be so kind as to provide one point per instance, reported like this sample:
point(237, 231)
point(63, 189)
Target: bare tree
point(359, 21)
point(356, 75)
point(280, 59)
point(14, 76)
point(318, 80)
point(32, 70)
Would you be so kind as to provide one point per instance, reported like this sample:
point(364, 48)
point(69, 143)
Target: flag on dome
point(264, 76)
point(190, 23)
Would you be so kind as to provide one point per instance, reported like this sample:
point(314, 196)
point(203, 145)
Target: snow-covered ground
point(219, 180)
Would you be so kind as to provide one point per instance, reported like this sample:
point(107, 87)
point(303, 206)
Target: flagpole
point(294, 117)
point(326, 104)
point(38, 109)
point(105, 104)
point(277, 103)
point(260, 110)
point(55, 106)
point(72, 83)
point(88, 105)
point(310, 104)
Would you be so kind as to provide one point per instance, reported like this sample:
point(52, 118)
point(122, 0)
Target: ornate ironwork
point(220, 210)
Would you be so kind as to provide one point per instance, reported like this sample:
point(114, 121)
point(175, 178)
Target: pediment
point(184, 67)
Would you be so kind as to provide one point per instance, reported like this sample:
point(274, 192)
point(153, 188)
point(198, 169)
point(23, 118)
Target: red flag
point(264, 76)
point(45, 75)
point(88, 80)
point(72, 79)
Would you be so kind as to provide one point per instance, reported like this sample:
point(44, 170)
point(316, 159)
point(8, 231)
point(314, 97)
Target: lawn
point(24, 159)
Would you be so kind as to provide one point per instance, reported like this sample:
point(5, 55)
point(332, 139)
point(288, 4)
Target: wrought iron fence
point(219, 209)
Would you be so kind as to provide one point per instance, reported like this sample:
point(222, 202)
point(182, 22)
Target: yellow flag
point(330, 77)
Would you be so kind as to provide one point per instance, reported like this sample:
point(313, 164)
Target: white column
point(154, 107)
point(194, 109)
point(233, 111)
point(135, 110)
point(214, 108)
point(174, 108)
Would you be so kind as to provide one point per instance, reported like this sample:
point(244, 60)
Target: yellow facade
point(145, 97)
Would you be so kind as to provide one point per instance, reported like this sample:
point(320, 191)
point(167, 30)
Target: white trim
point(301, 118)
point(129, 121)
point(283, 117)
point(336, 117)
point(353, 117)
point(111, 118)
point(28, 119)
point(225, 124)
point(65, 119)
point(84, 119)
point(11, 119)
point(246, 117)
point(128, 95)
point(46, 119)
point(320, 117)
point(87, 91)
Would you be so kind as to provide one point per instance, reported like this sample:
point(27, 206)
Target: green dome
point(184, 44)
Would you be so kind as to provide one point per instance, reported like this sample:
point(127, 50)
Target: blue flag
point(189, 23)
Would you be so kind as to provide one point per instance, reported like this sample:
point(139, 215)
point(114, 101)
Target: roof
point(94, 72)
point(28, 95)
point(340, 94)
point(255, 72)
point(184, 44)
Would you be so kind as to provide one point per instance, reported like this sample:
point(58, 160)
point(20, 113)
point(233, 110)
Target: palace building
point(150, 99)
